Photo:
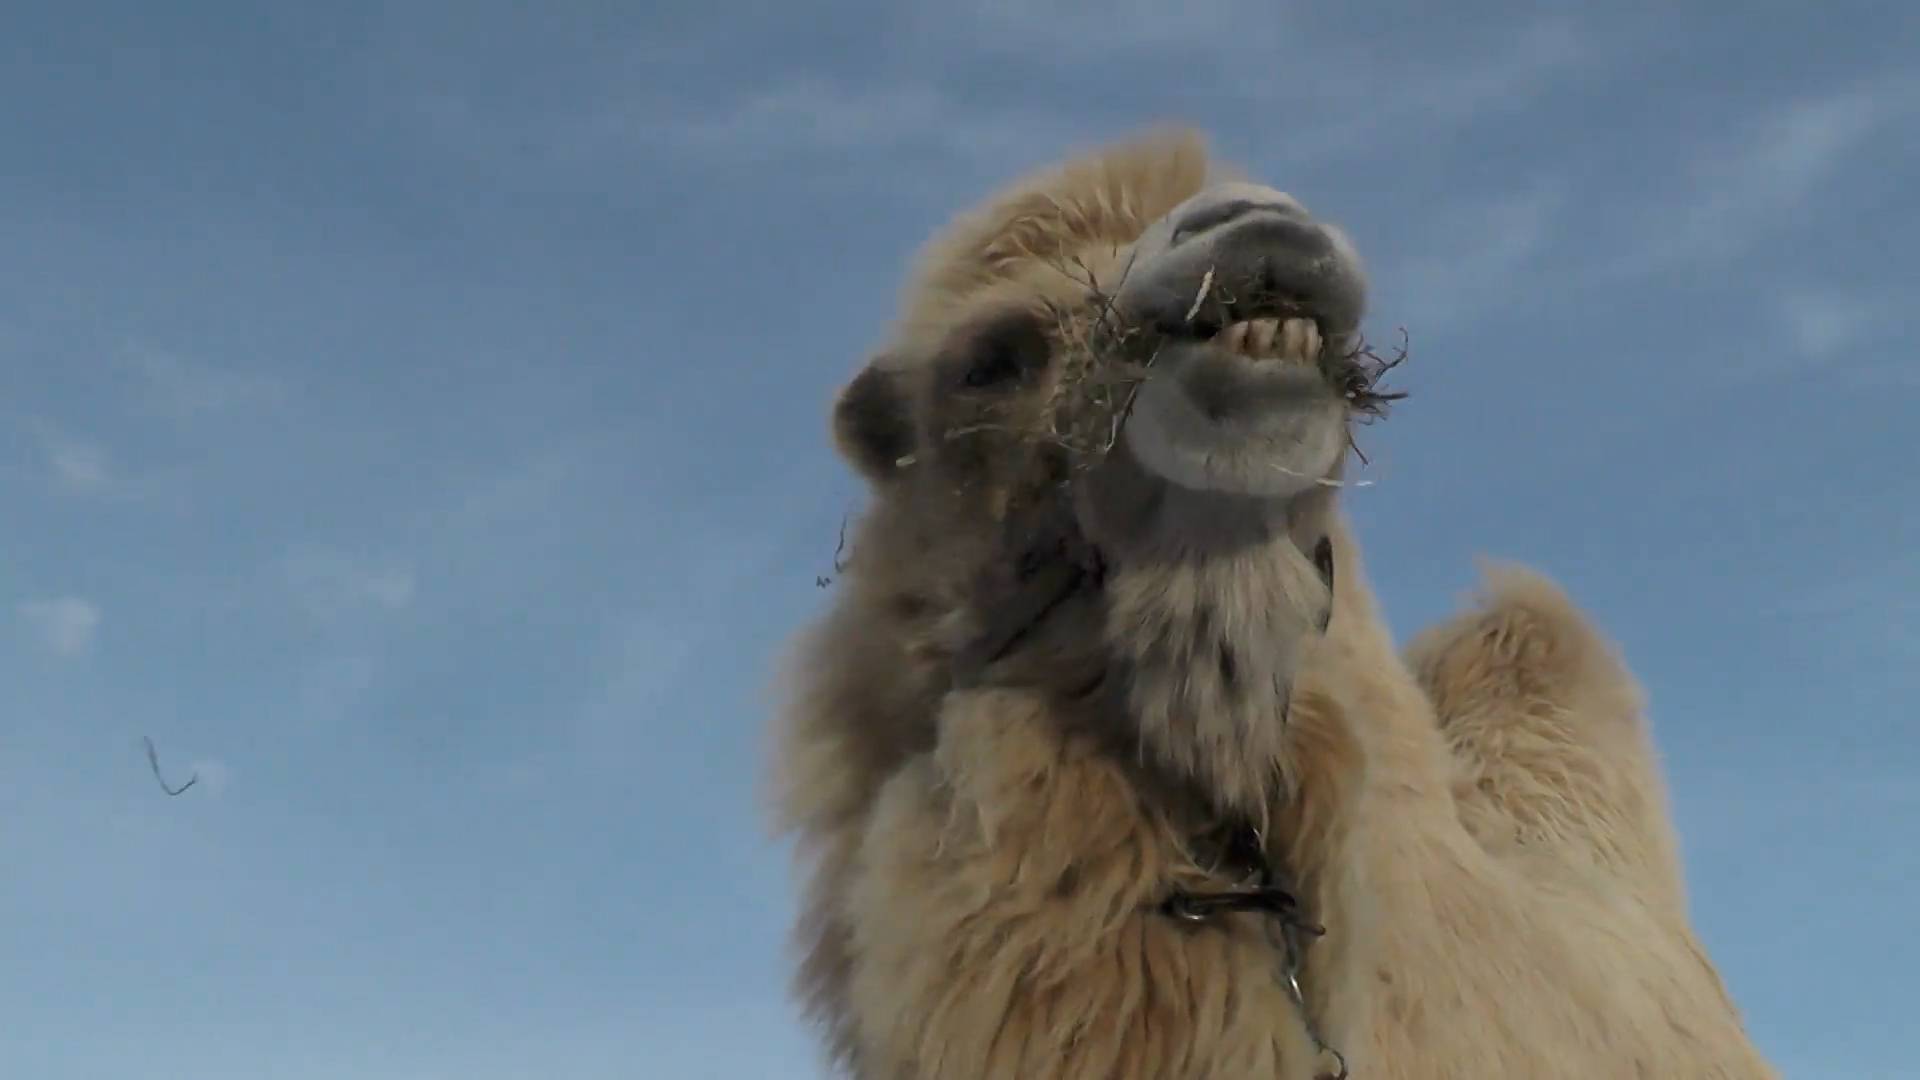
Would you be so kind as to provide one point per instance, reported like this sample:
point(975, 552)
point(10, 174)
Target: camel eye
point(1003, 349)
point(1000, 364)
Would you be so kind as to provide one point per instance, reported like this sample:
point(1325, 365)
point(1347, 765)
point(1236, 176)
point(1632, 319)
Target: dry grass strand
point(1105, 359)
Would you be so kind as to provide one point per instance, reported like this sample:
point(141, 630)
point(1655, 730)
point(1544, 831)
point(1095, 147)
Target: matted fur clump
point(1104, 610)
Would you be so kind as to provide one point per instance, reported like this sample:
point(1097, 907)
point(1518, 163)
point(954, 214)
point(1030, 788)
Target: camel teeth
point(1297, 340)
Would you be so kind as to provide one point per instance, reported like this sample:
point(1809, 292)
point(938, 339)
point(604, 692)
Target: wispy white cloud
point(1824, 325)
point(816, 119)
point(182, 387)
point(1240, 42)
point(65, 625)
point(331, 690)
point(1474, 254)
point(932, 123)
point(77, 466)
point(1058, 31)
point(816, 114)
point(328, 584)
point(1269, 51)
point(1843, 333)
point(923, 105)
point(1761, 179)
point(1750, 183)
point(1327, 118)
point(1541, 51)
point(214, 775)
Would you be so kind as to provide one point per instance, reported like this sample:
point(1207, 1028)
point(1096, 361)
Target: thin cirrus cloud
point(813, 112)
point(328, 584)
point(1327, 121)
point(181, 387)
point(1759, 180)
point(211, 775)
point(1057, 31)
point(1462, 269)
point(64, 625)
point(1827, 326)
point(150, 383)
point(1746, 184)
point(76, 466)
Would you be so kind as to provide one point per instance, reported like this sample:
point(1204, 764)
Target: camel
point(1103, 763)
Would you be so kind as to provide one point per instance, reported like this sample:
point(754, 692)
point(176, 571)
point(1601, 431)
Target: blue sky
point(412, 416)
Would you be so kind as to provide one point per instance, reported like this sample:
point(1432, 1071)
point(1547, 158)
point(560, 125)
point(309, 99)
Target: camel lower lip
point(1228, 423)
point(1225, 385)
point(1265, 363)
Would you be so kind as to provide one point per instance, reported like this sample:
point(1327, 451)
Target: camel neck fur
point(1211, 600)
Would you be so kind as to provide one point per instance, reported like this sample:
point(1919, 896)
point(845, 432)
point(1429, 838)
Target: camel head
point(1130, 356)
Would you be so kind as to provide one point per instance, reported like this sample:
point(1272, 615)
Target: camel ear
point(873, 423)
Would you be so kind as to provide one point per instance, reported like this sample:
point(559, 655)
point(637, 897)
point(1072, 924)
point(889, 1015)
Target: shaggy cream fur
point(1479, 824)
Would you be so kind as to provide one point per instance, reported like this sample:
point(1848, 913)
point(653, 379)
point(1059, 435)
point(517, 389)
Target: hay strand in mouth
point(1359, 372)
point(1206, 286)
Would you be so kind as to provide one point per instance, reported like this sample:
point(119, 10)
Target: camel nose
point(1238, 240)
point(1231, 203)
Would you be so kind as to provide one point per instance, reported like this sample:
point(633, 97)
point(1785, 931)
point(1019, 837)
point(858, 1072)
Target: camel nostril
point(1205, 218)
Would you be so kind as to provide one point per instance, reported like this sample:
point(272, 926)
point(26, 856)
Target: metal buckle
point(1246, 846)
